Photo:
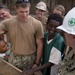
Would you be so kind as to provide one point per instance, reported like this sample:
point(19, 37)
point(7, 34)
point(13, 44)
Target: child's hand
point(34, 66)
point(28, 72)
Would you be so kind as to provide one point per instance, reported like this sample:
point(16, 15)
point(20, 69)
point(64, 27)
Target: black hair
point(56, 17)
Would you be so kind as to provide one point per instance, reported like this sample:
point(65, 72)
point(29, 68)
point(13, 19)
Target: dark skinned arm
point(41, 67)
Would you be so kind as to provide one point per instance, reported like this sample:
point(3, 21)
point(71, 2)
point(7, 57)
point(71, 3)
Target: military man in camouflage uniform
point(67, 66)
point(26, 37)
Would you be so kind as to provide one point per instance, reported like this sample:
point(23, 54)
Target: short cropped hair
point(23, 5)
point(56, 17)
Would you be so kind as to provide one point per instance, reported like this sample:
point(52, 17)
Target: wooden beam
point(8, 69)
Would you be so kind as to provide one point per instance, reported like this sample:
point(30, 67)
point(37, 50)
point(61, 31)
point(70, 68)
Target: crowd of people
point(37, 44)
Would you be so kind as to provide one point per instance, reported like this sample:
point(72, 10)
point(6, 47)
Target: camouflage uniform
point(23, 62)
point(67, 66)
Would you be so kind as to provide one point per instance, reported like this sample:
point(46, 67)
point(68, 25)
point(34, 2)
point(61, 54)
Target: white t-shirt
point(2, 55)
point(55, 58)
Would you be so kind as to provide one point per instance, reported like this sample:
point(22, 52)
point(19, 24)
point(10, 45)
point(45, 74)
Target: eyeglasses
point(20, 1)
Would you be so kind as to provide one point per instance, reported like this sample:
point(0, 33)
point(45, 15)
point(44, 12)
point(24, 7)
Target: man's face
point(4, 13)
point(69, 39)
point(23, 13)
point(39, 13)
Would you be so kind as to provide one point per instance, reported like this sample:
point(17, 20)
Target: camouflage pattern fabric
point(67, 66)
point(22, 62)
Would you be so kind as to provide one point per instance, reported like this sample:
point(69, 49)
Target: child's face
point(51, 27)
point(3, 46)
